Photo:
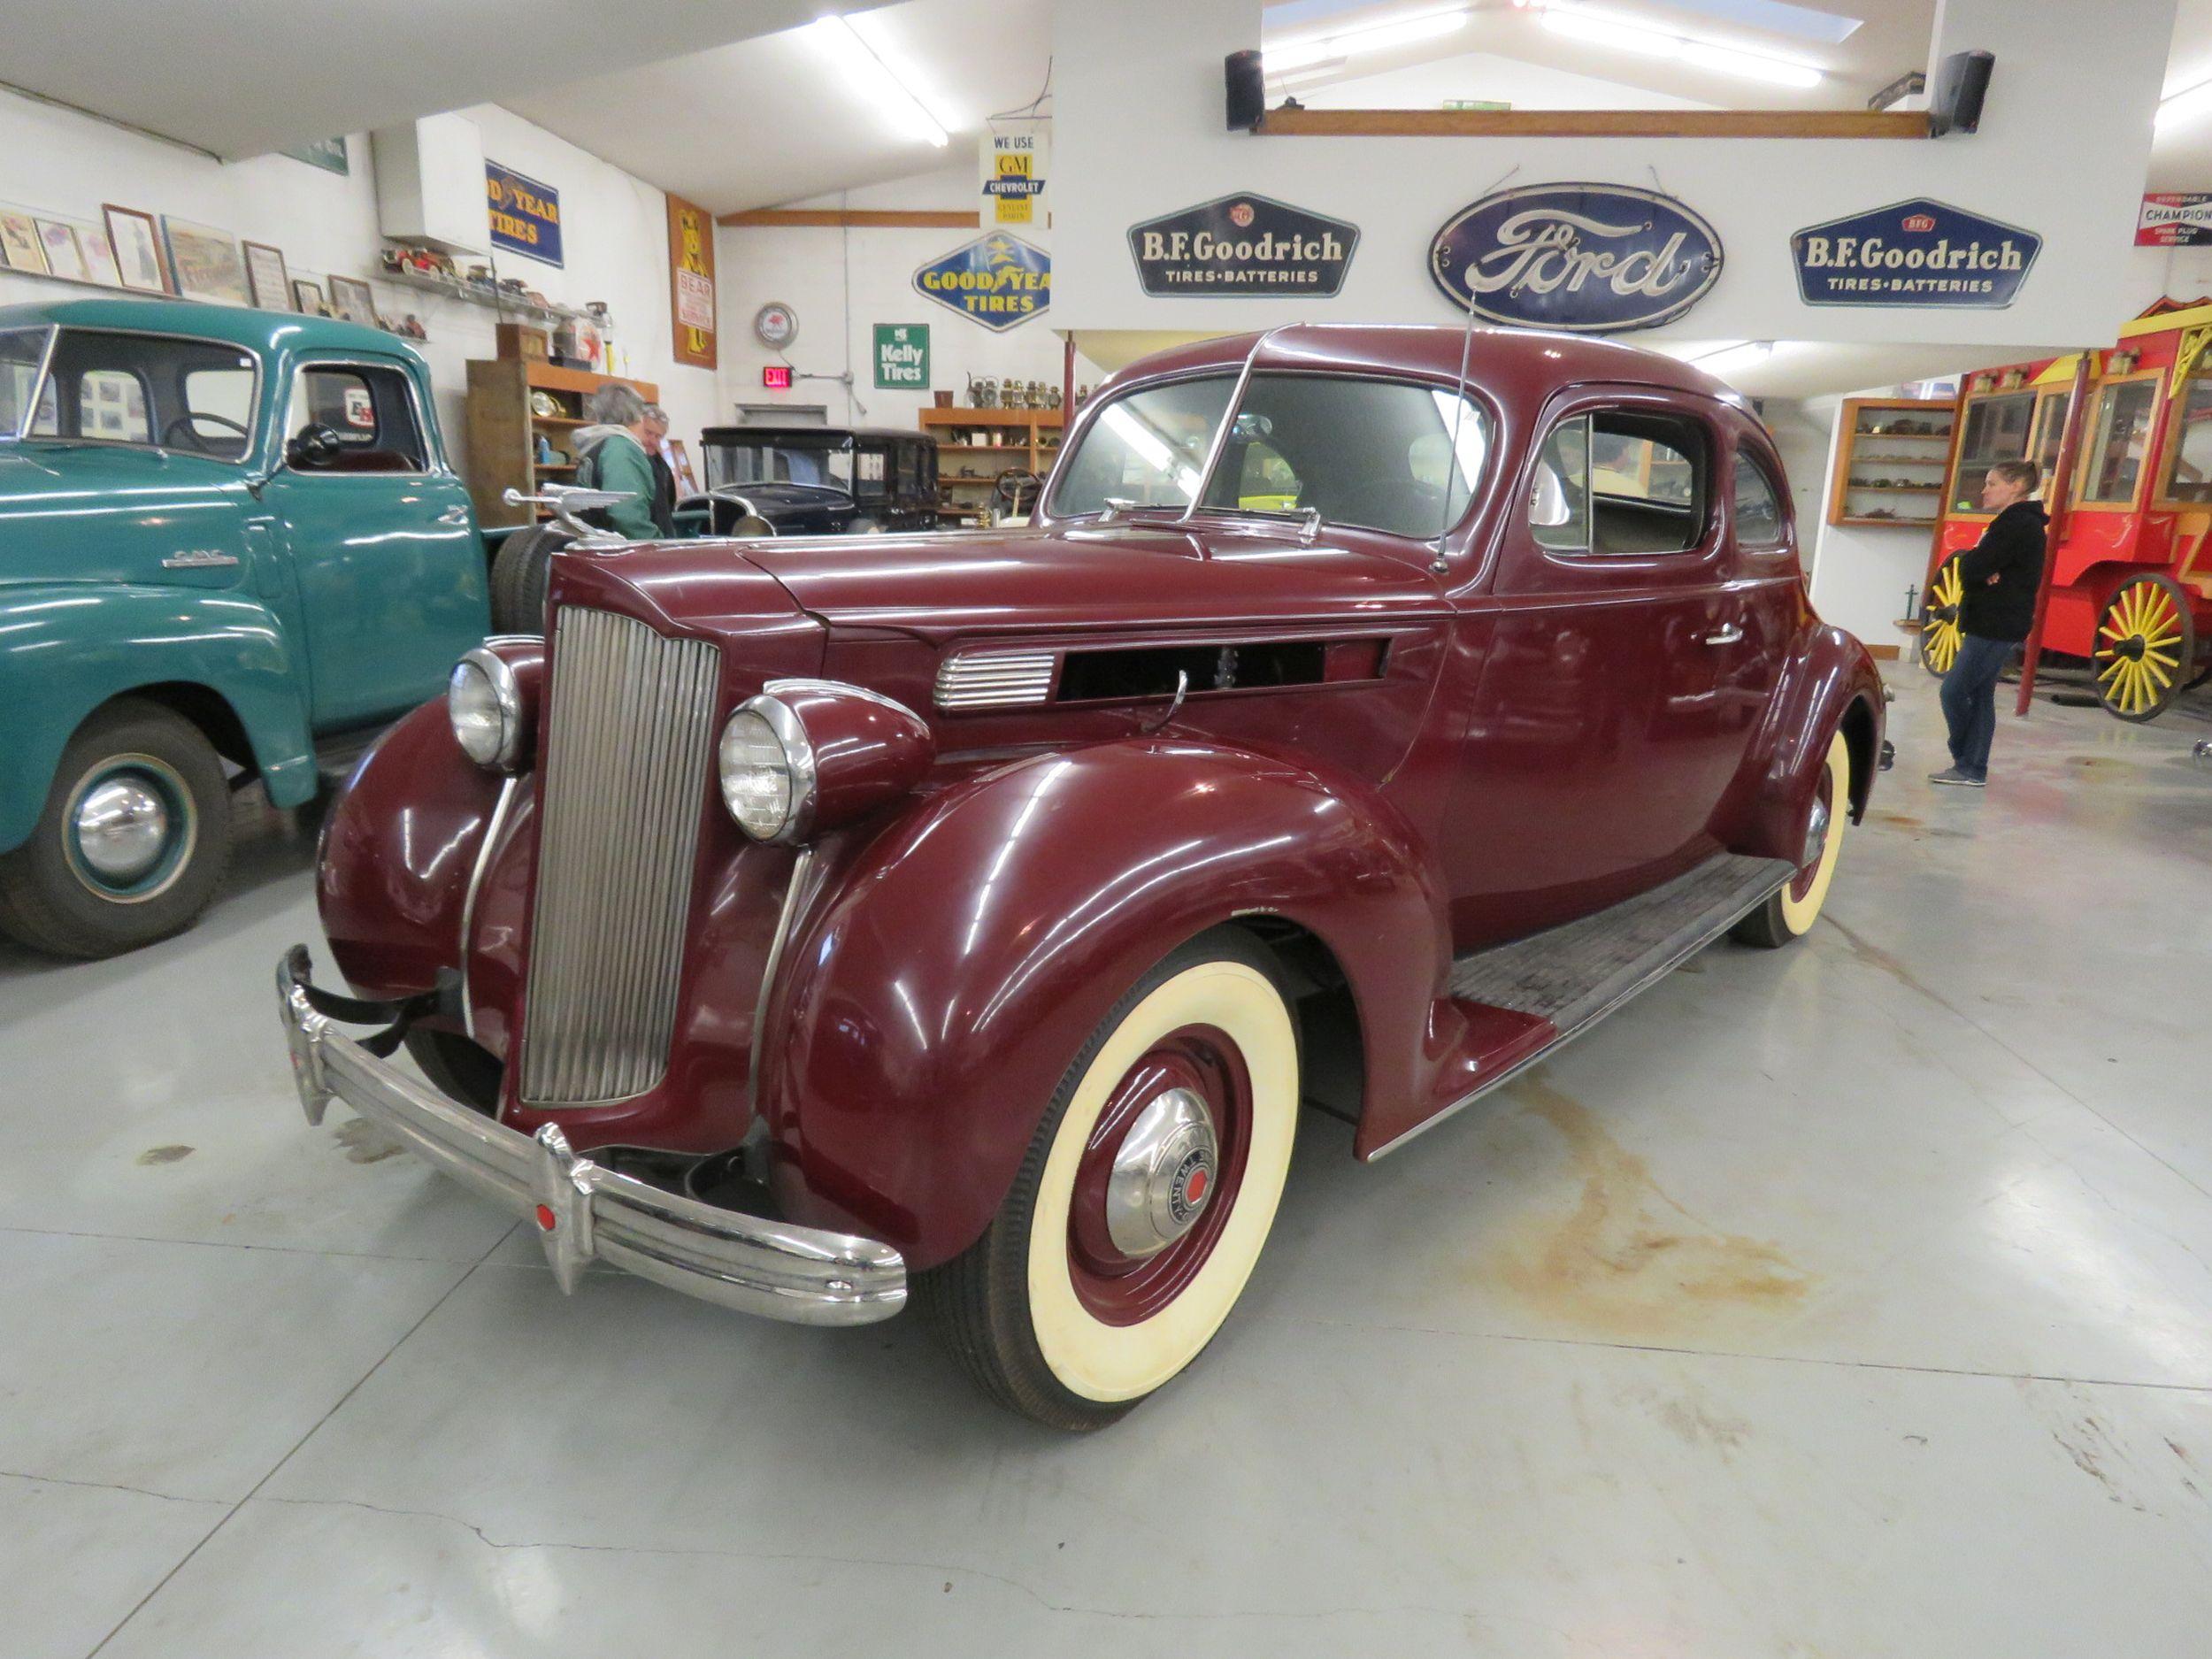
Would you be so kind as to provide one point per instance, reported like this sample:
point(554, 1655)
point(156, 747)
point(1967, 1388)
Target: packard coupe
point(803, 923)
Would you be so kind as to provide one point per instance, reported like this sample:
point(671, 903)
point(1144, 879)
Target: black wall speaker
point(1248, 97)
point(1960, 85)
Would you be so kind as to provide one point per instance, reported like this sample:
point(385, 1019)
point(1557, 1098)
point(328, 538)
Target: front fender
point(941, 986)
point(1828, 683)
point(66, 648)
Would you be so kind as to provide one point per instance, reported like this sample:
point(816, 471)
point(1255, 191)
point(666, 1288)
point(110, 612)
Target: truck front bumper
point(582, 1210)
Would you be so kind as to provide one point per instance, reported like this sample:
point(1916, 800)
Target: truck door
point(384, 555)
point(1598, 748)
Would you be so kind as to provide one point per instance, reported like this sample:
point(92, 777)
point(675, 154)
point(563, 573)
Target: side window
point(112, 406)
point(1265, 480)
point(369, 413)
point(1758, 504)
point(1622, 483)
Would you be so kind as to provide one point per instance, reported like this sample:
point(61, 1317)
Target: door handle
point(454, 515)
point(1728, 635)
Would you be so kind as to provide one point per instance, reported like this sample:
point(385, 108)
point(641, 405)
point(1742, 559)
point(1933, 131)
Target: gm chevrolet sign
point(998, 280)
point(1913, 253)
point(526, 215)
point(1242, 245)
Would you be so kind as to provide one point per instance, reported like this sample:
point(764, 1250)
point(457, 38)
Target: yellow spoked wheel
point(1940, 633)
point(2145, 647)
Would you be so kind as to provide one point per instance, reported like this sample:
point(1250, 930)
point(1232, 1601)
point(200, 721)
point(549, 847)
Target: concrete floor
point(1851, 1301)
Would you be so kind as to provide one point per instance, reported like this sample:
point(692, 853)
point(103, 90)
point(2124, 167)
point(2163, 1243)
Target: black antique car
point(761, 481)
point(813, 481)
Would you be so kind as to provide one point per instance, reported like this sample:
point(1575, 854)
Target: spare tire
point(518, 574)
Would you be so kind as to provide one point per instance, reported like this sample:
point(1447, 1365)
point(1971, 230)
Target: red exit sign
point(776, 377)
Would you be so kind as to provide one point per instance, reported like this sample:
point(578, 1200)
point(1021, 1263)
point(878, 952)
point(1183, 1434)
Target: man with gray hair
point(612, 455)
point(663, 468)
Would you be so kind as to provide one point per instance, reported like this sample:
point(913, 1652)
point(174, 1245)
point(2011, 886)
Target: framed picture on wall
point(353, 300)
point(99, 255)
point(137, 245)
point(63, 258)
point(679, 464)
point(307, 296)
point(205, 262)
point(19, 246)
point(265, 276)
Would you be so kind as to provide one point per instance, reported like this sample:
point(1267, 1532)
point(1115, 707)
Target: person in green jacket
point(612, 456)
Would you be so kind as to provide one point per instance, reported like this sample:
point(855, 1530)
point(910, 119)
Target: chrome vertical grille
point(629, 731)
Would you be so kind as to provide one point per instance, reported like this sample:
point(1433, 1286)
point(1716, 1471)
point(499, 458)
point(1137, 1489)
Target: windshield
point(782, 461)
point(1370, 454)
point(21, 351)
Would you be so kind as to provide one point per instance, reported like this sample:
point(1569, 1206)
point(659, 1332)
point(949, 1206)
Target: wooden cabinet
point(1891, 462)
point(503, 429)
point(975, 445)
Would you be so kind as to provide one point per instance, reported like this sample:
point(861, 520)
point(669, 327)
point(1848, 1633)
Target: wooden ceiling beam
point(855, 218)
point(1301, 123)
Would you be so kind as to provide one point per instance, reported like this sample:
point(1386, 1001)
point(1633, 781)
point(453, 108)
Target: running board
point(1573, 976)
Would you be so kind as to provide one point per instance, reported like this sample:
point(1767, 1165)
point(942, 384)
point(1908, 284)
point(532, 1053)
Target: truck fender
point(1828, 683)
point(67, 648)
point(936, 990)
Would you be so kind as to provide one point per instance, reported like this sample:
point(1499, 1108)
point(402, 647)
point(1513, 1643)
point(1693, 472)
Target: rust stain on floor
point(163, 1154)
point(1628, 1260)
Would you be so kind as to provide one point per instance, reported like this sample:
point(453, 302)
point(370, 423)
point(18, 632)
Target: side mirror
point(313, 447)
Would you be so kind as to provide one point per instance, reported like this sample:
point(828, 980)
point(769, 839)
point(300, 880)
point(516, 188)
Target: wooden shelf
point(1889, 524)
point(501, 427)
point(1905, 437)
point(1862, 453)
point(1899, 489)
point(556, 420)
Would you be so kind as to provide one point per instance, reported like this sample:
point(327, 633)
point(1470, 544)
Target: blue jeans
point(1970, 701)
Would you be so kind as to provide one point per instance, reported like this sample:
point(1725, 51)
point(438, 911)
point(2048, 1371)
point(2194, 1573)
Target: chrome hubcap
point(122, 827)
point(1163, 1175)
point(1815, 834)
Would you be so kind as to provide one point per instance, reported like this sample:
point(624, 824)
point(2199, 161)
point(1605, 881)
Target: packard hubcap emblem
point(1163, 1174)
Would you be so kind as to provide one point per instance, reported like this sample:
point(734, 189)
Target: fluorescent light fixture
point(1286, 56)
point(2190, 104)
point(1603, 29)
point(879, 83)
point(1321, 70)
point(1730, 359)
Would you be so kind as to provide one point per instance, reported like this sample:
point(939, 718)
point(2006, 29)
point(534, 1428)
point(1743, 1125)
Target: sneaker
point(1952, 774)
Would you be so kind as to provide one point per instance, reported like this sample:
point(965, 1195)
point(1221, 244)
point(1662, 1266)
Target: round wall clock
point(776, 324)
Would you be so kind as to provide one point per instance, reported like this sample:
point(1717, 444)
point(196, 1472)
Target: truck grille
point(629, 730)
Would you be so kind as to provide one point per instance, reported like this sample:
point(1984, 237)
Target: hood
point(94, 512)
point(1059, 578)
point(2027, 509)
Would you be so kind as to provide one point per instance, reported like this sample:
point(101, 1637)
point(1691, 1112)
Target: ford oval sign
point(1586, 258)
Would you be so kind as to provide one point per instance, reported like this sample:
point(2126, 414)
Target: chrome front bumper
point(582, 1210)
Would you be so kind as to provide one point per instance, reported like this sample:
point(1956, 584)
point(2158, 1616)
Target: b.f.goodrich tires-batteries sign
point(1242, 245)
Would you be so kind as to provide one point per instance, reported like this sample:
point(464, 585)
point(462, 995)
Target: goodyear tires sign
point(526, 215)
point(1913, 253)
point(998, 280)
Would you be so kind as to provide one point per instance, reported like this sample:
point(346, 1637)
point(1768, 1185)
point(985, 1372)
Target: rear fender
point(940, 985)
point(1828, 683)
point(67, 648)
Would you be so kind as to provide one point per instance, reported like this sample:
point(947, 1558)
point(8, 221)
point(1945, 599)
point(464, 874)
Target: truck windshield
point(827, 460)
point(21, 351)
point(1371, 454)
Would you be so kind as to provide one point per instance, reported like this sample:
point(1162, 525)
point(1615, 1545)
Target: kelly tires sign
point(1919, 253)
point(903, 357)
point(526, 215)
point(1584, 258)
point(998, 280)
point(1242, 245)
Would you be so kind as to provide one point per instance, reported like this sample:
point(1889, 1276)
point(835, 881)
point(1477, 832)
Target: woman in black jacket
point(1999, 575)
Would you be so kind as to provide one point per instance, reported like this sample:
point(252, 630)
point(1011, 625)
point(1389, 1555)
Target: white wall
point(1137, 102)
point(842, 283)
point(1484, 75)
point(58, 164)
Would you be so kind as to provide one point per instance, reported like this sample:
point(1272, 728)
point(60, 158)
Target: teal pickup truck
point(229, 539)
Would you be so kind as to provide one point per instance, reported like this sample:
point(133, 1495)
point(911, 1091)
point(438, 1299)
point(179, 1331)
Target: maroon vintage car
point(1357, 723)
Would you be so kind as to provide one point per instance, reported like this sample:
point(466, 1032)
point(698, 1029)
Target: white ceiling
point(777, 119)
point(2181, 155)
point(245, 77)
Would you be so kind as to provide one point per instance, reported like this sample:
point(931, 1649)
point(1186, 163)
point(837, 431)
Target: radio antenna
point(1451, 457)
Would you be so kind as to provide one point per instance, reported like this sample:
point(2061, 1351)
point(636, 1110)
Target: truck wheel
point(133, 840)
point(1144, 1200)
point(518, 578)
point(1790, 914)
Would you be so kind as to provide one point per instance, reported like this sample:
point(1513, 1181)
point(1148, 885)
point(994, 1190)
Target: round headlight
point(486, 707)
point(766, 767)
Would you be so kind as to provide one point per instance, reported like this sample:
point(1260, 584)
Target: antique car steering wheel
point(313, 445)
point(186, 421)
point(1016, 491)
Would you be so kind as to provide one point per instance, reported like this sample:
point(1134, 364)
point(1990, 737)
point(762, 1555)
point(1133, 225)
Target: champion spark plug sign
point(2175, 219)
point(1588, 258)
point(1913, 253)
point(1242, 245)
point(526, 215)
point(998, 280)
